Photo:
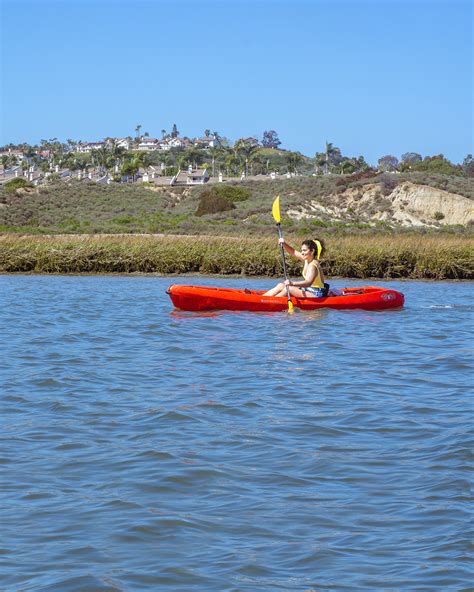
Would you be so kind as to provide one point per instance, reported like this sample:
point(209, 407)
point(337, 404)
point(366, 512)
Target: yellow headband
point(319, 246)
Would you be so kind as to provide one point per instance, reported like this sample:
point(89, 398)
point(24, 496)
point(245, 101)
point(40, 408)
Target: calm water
point(146, 449)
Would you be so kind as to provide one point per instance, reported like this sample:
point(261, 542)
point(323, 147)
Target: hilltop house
point(179, 142)
point(251, 141)
point(89, 146)
point(149, 144)
point(205, 142)
point(119, 143)
point(12, 152)
point(190, 177)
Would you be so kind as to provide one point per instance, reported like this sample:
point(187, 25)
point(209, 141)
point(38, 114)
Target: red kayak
point(196, 298)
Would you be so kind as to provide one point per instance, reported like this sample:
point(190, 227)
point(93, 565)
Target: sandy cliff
point(408, 204)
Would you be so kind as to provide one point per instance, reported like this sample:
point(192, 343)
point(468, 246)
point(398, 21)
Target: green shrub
point(212, 203)
point(437, 164)
point(70, 224)
point(438, 215)
point(319, 223)
point(232, 193)
point(123, 220)
point(17, 183)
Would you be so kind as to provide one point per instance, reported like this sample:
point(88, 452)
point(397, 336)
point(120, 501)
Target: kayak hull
point(200, 298)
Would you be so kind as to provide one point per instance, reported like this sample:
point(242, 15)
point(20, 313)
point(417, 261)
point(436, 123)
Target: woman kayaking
point(312, 286)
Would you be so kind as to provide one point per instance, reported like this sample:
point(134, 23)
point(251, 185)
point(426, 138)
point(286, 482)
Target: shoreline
point(217, 276)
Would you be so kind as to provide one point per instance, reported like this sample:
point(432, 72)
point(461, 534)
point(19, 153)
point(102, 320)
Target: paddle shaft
point(284, 262)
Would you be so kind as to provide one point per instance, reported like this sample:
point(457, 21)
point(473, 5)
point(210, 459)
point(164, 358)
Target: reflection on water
point(144, 448)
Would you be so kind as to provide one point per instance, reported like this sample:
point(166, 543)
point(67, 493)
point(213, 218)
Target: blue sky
point(373, 77)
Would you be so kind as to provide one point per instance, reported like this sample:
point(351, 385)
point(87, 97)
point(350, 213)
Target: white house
point(149, 144)
point(176, 143)
point(89, 146)
point(18, 154)
point(205, 142)
point(119, 142)
point(190, 177)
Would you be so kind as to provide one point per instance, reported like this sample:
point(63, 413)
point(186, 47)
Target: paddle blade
point(290, 306)
point(276, 210)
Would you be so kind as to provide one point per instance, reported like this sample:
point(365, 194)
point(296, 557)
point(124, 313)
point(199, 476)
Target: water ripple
point(144, 448)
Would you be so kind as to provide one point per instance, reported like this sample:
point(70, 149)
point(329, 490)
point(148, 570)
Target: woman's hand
point(288, 283)
point(281, 241)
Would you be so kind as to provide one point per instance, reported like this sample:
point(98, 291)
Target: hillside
point(349, 203)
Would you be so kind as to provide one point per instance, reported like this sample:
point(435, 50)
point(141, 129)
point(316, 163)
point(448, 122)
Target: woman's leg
point(294, 291)
point(276, 290)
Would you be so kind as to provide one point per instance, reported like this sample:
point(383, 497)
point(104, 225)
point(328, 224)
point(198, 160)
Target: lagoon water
point(147, 449)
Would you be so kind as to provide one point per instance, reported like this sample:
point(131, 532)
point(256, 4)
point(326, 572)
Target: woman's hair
point(316, 246)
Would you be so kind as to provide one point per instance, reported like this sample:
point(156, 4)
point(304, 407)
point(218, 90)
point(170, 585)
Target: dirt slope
point(408, 204)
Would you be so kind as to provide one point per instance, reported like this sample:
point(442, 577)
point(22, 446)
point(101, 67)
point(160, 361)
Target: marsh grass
point(404, 256)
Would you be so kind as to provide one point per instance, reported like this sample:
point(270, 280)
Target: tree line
point(245, 157)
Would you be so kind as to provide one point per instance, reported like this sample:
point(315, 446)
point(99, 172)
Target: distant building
point(119, 142)
point(205, 142)
point(89, 146)
point(149, 144)
point(251, 141)
point(18, 154)
point(176, 143)
point(190, 177)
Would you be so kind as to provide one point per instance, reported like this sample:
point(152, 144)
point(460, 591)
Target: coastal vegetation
point(367, 216)
point(227, 208)
point(412, 256)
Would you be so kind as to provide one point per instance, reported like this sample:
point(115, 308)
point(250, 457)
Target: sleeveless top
point(317, 282)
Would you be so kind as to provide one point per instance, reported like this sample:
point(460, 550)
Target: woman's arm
point(289, 249)
point(306, 283)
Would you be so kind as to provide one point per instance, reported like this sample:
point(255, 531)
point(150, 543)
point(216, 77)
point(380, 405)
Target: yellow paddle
point(277, 218)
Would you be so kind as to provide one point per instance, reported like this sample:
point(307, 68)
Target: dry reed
point(398, 256)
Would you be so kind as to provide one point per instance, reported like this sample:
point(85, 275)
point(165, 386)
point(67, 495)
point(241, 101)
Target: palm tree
point(100, 158)
point(71, 144)
point(165, 160)
point(256, 159)
point(245, 151)
point(328, 152)
point(137, 131)
point(214, 152)
point(293, 159)
point(163, 134)
point(181, 162)
point(81, 164)
point(131, 166)
point(116, 155)
point(145, 159)
point(231, 163)
point(320, 161)
point(6, 162)
point(67, 160)
point(192, 155)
